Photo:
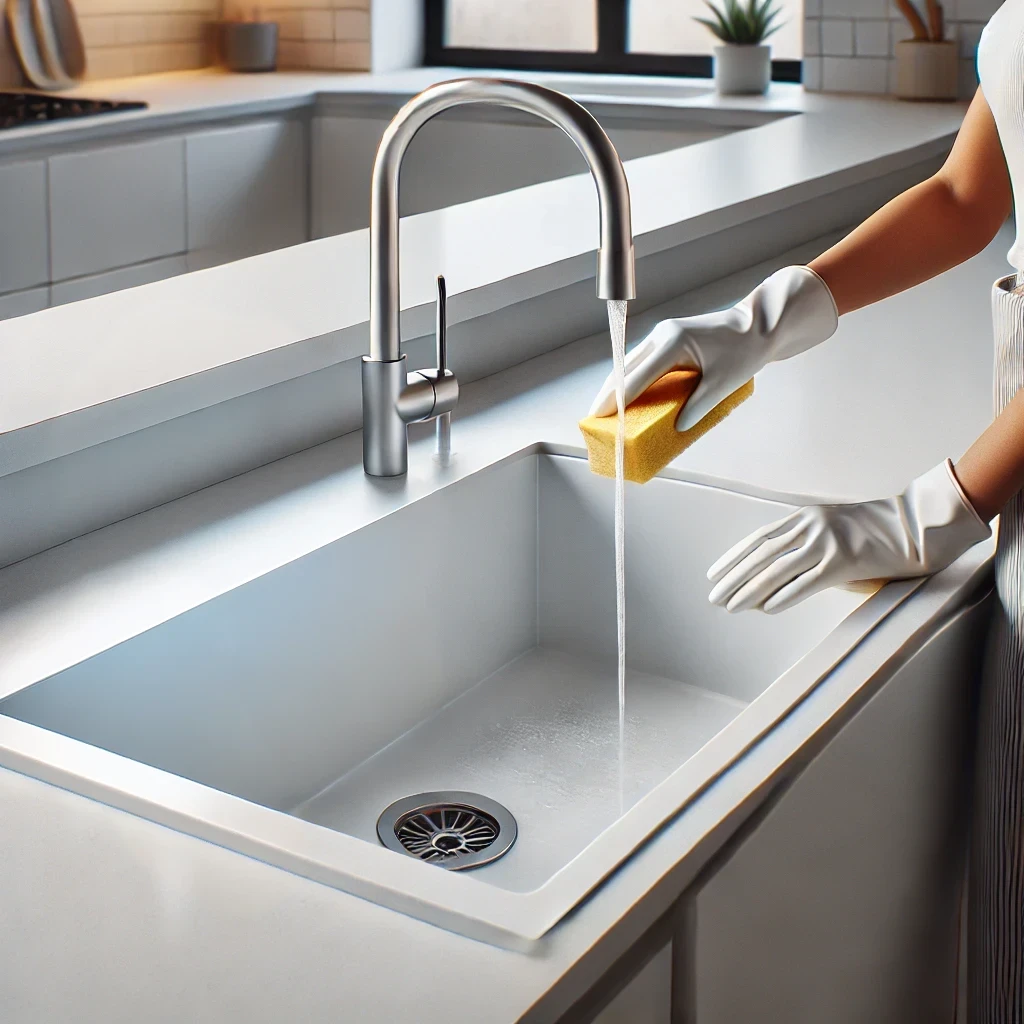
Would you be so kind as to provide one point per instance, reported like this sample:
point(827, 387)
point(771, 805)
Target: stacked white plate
point(48, 42)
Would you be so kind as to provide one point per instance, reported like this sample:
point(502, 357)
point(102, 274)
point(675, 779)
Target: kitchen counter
point(199, 933)
point(193, 97)
point(112, 918)
point(216, 334)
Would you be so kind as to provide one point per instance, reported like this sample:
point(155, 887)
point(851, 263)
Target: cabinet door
point(647, 999)
point(116, 206)
point(24, 258)
point(247, 190)
point(343, 153)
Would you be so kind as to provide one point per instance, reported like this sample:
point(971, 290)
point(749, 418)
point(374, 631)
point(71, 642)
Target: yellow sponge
point(652, 440)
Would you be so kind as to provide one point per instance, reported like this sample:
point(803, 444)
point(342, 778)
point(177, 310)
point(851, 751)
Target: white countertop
point(112, 918)
point(190, 97)
point(76, 374)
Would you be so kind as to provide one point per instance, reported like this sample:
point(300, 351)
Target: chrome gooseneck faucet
point(393, 398)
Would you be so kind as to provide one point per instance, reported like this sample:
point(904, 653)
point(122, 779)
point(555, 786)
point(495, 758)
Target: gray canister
point(250, 45)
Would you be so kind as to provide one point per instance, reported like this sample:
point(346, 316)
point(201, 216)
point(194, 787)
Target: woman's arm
point(992, 471)
point(930, 228)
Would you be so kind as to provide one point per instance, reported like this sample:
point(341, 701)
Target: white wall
point(396, 34)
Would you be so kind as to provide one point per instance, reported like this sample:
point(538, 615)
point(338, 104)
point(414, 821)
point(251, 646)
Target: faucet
point(393, 398)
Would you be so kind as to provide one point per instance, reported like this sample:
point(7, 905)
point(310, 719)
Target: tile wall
point(138, 37)
point(332, 35)
point(849, 44)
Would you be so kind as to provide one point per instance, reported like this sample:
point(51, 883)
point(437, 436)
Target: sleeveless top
point(1001, 71)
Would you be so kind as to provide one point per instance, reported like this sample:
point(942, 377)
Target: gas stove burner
point(21, 109)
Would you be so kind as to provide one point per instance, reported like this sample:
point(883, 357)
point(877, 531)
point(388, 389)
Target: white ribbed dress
point(996, 902)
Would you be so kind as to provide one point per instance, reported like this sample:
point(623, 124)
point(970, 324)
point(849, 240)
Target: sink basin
point(465, 643)
point(639, 89)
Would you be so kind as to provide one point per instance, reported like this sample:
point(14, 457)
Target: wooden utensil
point(936, 28)
point(916, 22)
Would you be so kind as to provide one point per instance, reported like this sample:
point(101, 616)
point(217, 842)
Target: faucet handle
point(441, 324)
point(446, 387)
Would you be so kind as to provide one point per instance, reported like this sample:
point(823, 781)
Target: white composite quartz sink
point(466, 642)
point(638, 88)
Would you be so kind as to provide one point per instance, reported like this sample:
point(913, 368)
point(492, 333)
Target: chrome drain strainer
point(453, 830)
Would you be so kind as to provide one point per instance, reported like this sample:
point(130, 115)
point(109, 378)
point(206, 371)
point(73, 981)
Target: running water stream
point(617, 327)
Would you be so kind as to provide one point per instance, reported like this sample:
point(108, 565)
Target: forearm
point(918, 235)
point(930, 228)
point(992, 470)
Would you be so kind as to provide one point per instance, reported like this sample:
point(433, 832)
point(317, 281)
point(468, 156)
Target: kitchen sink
point(639, 88)
point(463, 644)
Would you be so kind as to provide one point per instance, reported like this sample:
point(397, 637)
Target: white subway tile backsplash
point(899, 30)
point(131, 37)
point(98, 30)
point(968, 33)
point(812, 73)
point(968, 77)
point(866, 63)
point(855, 74)
point(352, 25)
point(871, 38)
point(352, 56)
point(848, 44)
point(812, 37)
point(975, 10)
point(855, 8)
point(317, 25)
point(837, 37)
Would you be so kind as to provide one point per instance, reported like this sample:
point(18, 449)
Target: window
point(620, 36)
point(567, 25)
point(667, 26)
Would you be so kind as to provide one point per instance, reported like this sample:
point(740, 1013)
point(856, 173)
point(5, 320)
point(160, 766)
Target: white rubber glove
point(917, 533)
point(790, 312)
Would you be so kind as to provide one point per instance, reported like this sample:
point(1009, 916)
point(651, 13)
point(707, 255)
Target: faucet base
point(385, 434)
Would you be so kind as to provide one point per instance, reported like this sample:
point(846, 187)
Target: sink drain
point(453, 830)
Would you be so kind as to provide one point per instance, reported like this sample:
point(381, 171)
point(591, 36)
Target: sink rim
point(461, 903)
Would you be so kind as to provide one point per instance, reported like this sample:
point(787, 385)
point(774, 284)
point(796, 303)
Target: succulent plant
point(745, 24)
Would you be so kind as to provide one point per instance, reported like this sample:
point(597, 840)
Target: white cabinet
point(647, 999)
point(101, 218)
point(24, 259)
point(343, 149)
point(460, 156)
point(116, 206)
point(247, 190)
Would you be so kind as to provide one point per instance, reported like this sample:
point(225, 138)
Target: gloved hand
point(917, 533)
point(790, 312)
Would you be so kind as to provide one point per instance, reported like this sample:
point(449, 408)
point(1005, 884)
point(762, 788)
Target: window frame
point(610, 57)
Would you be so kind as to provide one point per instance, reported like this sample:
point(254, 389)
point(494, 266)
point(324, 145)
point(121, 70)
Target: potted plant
point(927, 65)
point(743, 63)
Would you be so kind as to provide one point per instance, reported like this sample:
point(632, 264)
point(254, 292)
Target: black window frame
point(610, 57)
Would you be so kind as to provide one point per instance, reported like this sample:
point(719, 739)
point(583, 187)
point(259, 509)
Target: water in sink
point(617, 329)
point(541, 736)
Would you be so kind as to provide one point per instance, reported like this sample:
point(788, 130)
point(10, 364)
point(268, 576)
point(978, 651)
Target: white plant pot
point(927, 70)
point(743, 70)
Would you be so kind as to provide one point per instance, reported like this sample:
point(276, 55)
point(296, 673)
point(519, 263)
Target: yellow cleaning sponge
point(652, 440)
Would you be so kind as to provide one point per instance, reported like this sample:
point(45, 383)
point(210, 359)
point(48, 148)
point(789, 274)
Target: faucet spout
point(384, 428)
